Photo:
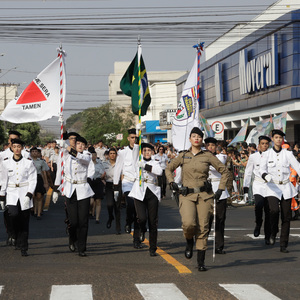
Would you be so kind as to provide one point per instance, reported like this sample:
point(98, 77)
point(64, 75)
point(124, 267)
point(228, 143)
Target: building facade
point(254, 78)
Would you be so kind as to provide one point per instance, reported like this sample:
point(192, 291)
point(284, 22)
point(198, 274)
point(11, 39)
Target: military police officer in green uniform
point(196, 195)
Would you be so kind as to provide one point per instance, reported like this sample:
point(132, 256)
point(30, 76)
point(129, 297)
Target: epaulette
point(185, 151)
point(29, 158)
point(5, 158)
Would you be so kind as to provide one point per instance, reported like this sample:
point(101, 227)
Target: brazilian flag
point(130, 85)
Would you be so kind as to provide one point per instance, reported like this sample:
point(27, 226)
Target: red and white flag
point(40, 101)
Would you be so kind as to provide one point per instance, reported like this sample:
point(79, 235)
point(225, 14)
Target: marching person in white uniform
point(8, 153)
point(125, 167)
point(77, 191)
point(163, 159)
point(275, 169)
point(19, 178)
point(259, 188)
point(221, 205)
point(147, 196)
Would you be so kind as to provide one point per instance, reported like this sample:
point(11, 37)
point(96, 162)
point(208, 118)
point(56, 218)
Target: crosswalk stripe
point(71, 292)
point(160, 291)
point(248, 292)
point(1, 288)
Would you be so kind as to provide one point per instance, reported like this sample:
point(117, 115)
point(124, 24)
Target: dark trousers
point(112, 205)
point(131, 216)
point(262, 205)
point(162, 182)
point(19, 220)
point(78, 215)
point(221, 207)
point(148, 210)
point(8, 224)
point(284, 206)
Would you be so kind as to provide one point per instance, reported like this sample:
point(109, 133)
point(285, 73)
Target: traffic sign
point(218, 128)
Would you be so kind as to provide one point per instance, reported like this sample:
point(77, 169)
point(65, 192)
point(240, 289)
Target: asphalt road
point(113, 268)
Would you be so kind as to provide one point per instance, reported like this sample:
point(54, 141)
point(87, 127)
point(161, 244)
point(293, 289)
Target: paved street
point(114, 270)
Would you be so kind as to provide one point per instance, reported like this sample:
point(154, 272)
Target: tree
point(30, 132)
point(103, 122)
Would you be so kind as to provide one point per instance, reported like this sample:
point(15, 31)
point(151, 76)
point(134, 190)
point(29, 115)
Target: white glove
point(138, 126)
point(55, 197)
point(27, 202)
point(62, 144)
point(141, 164)
point(2, 205)
point(268, 178)
point(116, 195)
point(60, 118)
point(246, 197)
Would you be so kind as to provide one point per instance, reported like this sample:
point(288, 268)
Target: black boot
point(256, 232)
point(200, 260)
point(189, 248)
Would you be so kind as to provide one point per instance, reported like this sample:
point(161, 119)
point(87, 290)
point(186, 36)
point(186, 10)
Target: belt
point(214, 179)
point(75, 181)
point(15, 185)
point(147, 180)
point(129, 178)
point(196, 190)
point(281, 182)
point(259, 179)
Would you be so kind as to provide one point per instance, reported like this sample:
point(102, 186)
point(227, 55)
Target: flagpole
point(61, 53)
point(140, 108)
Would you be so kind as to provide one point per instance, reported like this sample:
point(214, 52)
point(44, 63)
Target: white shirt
point(22, 173)
point(149, 179)
point(96, 169)
point(259, 185)
point(109, 171)
point(277, 164)
point(162, 159)
point(75, 175)
point(215, 176)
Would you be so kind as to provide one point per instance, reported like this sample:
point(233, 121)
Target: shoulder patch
point(29, 158)
point(5, 158)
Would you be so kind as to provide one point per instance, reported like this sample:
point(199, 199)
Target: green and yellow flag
point(130, 85)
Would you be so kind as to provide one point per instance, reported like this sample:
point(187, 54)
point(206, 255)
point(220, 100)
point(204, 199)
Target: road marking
point(1, 288)
point(248, 292)
point(159, 291)
point(48, 199)
point(71, 292)
point(170, 259)
point(293, 234)
point(261, 236)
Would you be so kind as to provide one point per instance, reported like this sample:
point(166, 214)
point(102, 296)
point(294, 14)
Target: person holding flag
point(196, 194)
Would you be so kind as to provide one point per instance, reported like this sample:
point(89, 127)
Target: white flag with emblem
point(41, 99)
point(187, 115)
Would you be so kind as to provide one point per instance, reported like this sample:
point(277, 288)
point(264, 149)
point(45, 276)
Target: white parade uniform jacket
point(162, 159)
point(75, 175)
point(259, 185)
point(149, 179)
point(215, 177)
point(125, 166)
point(18, 179)
point(277, 164)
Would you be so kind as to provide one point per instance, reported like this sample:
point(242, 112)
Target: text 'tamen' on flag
point(130, 86)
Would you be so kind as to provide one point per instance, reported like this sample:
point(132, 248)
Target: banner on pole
point(40, 101)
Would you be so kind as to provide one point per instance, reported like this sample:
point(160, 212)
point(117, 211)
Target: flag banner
point(40, 101)
point(265, 127)
point(280, 122)
point(253, 136)
point(187, 115)
point(130, 84)
point(240, 137)
point(206, 127)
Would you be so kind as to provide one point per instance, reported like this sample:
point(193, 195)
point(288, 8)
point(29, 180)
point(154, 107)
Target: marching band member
point(125, 167)
point(221, 204)
point(19, 178)
point(147, 196)
point(259, 188)
point(77, 192)
point(275, 169)
point(196, 199)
